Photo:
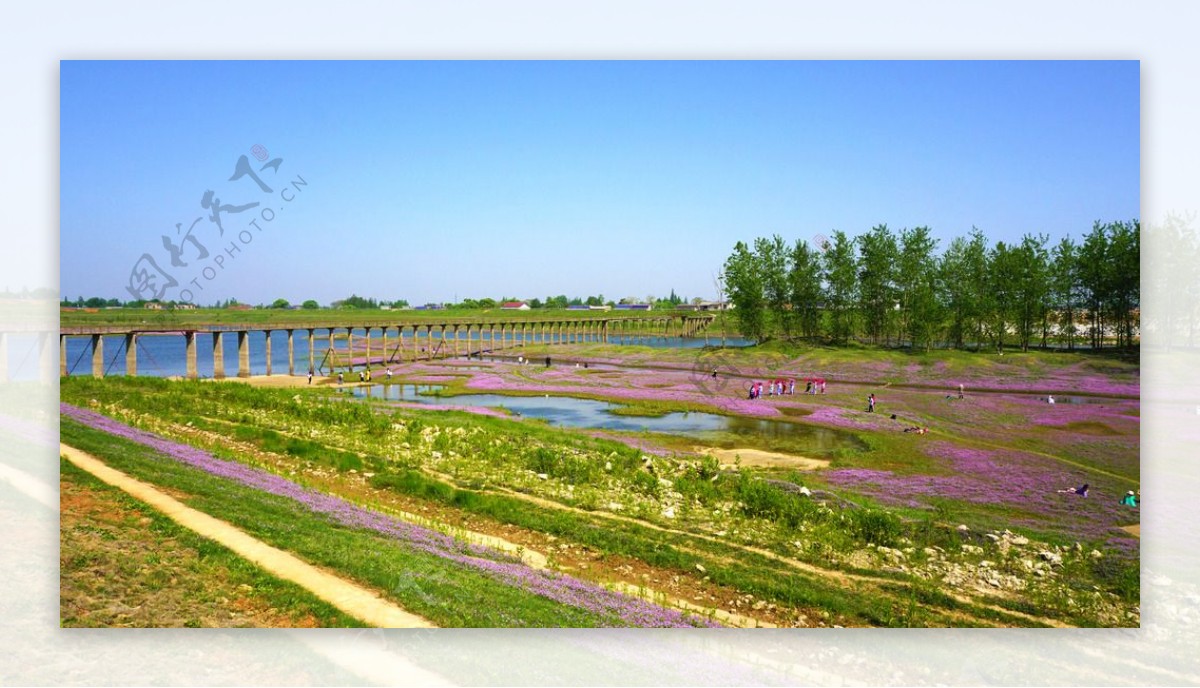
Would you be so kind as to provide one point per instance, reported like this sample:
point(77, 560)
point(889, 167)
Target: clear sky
point(432, 181)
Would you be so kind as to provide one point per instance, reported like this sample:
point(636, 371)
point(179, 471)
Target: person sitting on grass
point(917, 429)
point(1130, 499)
point(1082, 490)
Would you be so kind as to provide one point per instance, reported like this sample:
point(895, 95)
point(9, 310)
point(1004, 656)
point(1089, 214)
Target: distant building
point(514, 306)
point(185, 306)
point(578, 307)
point(431, 307)
point(634, 306)
point(600, 308)
point(239, 307)
point(703, 306)
point(153, 305)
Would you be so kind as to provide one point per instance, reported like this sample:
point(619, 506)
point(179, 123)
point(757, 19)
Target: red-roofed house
point(514, 306)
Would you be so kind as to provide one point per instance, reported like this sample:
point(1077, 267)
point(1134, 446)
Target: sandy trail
point(349, 597)
point(758, 457)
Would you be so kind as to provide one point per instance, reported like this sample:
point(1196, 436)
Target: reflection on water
point(588, 413)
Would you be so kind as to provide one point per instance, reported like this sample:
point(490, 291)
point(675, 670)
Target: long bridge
point(412, 340)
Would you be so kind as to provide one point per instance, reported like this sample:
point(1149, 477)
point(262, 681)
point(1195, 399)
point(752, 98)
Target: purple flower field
point(505, 569)
point(1022, 483)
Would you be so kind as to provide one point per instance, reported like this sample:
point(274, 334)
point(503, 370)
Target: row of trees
point(890, 288)
point(562, 301)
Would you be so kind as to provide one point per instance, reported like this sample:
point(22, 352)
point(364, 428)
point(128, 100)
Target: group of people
point(781, 386)
point(774, 387)
point(363, 376)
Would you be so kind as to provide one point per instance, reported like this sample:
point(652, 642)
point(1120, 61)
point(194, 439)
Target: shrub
point(873, 526)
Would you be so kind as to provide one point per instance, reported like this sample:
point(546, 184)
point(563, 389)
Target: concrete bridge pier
point(312, 354)
point(131, 354)
point(97, 356)
point(291, 353)
point(243, 342)
point(367, 336)
point(189, 348)
point(267, 350)
point(45, 360)
point(218, 357)
point(62, 356)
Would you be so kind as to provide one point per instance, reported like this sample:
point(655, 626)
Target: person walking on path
point(960, 390)
point(310, 373)
point(871, 403)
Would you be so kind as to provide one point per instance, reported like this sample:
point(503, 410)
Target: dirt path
point(346, 596)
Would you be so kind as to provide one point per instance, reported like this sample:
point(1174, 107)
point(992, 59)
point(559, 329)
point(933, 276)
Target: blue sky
point(432, 181)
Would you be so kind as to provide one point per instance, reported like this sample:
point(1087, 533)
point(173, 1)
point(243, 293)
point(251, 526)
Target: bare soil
point(764, 459)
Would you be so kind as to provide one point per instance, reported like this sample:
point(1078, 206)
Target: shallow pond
point(589, 413)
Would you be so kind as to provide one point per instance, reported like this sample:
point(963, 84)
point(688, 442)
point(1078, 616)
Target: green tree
point(1094, 278)
point(966, 284)
point(804, 289)
point(1064, 287)
point(744, 285)
point(918, 283)
point(773, 260)
point(876, 280)
point(1004, 269)
point(1032, 287)
point(841, 293)
point(355, 301)
point(310, 305)
point(280, 303)
point(1125, 277)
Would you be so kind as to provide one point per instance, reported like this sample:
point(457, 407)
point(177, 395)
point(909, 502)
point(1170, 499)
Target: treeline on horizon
point(897, 289)
point(360, 302)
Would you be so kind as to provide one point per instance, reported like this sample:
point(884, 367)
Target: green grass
point(441, 591)
point(213, 558)
point(495, 453)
